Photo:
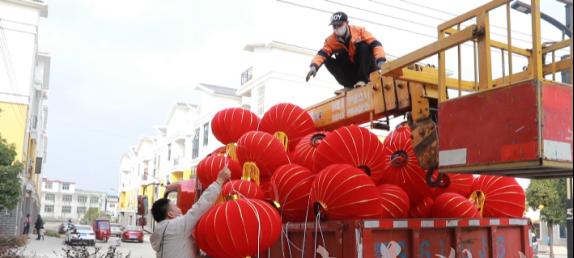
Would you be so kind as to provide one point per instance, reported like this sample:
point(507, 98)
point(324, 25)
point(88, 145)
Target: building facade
point(62, 200)
point(24, 84)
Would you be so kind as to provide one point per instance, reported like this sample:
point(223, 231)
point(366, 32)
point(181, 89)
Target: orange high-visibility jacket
point(358, 34)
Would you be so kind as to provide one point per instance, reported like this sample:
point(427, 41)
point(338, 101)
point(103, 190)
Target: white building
point(61, 201)
point(24, 83)
point(111, 209)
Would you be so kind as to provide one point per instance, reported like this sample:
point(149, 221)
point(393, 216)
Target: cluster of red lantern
point(283, 169)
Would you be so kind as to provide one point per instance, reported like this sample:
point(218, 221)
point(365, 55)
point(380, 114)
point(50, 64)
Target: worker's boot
point(359, 84)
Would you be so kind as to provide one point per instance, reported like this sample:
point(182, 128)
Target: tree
point(91, 214)
point(10, 185)
point(549, 196)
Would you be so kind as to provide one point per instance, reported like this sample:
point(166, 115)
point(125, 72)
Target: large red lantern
point(355, 146)
point(453, 205)
point(208, 168)
point(456, 183)
point(238, 228)
point(260, 154)
point(341, 191)
point(235, 189)
point(498, 196)
point(305, 154)
point(229, 124)
point(422, 209)
point(288, 122)
point(292, 186)
point(394, 201)
point(402, 167)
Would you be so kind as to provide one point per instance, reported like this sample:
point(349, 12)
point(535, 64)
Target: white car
point(81, 234)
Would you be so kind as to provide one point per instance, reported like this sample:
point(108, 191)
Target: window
point(247, 75)
point(49, 208)
point(67, 198)
point(48, 185)
point(81, 210)
point(205, 134)
point(195, 146)
point(66, 209)
point(94, 199)
point(49, 197)
point(260, 100)
point(169, 151)
point(65, 186)
point(112, 205)
point(82, 198)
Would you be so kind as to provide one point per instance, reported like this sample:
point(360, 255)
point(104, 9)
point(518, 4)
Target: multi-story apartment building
point(62, 200)
point(24, 83)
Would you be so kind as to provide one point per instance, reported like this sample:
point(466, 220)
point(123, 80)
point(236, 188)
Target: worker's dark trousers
point(348, 73)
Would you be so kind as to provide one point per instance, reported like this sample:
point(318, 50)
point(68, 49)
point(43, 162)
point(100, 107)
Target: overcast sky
point(119, 65)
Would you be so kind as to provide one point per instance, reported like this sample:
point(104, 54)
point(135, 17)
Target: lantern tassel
point(251, 172)
point(478, 198)
point(282, 136)
point(230, 149)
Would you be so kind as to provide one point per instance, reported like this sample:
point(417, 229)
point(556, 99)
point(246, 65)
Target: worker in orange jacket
point(350, 54)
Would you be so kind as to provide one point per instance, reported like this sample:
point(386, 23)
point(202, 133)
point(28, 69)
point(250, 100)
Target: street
point(52, 247)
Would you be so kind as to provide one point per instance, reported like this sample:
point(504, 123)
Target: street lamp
point(526, 9)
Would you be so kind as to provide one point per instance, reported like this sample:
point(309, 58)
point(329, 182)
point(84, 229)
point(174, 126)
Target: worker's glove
point(312, 72)
point(381, 62)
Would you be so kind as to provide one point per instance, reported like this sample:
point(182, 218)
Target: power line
point(410, 21)
point(454, 15)
point(359, 19)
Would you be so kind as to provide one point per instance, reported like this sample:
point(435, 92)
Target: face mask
point(341, 31)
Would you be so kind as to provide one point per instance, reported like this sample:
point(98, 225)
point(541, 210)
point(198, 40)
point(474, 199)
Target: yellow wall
point(13, 125)
point(175, 176)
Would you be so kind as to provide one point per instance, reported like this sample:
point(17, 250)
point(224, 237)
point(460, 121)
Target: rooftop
point(221, 90)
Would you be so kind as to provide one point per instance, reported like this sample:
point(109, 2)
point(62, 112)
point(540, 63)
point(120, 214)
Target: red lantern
point(457, 183)
point(288, 122)
point(305, 154)
point(402, 167)
point(231, 123)
point(219, 151)
point(355, 146)
point(394, 201)
point(341, 191)
point(423, 209)
point(235, 189)
point(260, 154)
point(292, 186)
point(238, 228)
point(228, 125)
point(498, 196)
point(453, 205)
point(208, 168)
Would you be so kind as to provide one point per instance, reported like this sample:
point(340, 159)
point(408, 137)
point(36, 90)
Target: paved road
point(51, 247)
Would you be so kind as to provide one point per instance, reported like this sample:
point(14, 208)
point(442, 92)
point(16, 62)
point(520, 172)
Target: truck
point(445, 140)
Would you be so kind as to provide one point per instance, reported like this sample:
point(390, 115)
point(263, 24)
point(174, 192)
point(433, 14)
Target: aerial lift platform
point(517, 125)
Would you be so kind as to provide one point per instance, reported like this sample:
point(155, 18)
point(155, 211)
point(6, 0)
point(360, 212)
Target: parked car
point(132, 233)
point(81, 234)
point(116, 230)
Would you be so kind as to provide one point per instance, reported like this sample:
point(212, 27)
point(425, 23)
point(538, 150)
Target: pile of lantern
point(283, 170)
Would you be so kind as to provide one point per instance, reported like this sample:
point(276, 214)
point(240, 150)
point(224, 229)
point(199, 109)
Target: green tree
point(91, 214)
point(10, 185)
point(549, 196)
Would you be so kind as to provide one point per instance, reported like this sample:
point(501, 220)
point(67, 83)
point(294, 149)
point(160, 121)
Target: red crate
point(496, 237)
point(522, 130)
